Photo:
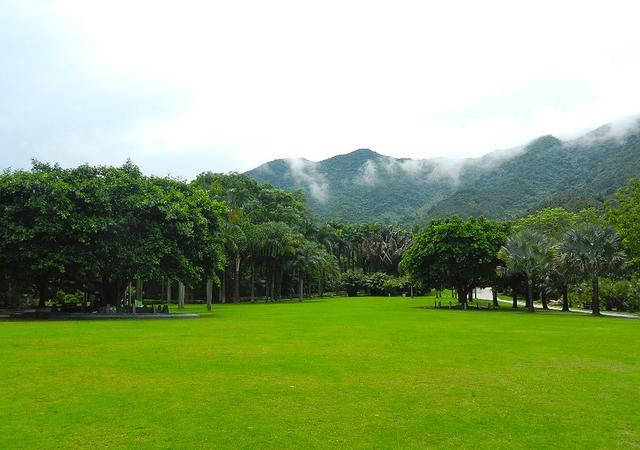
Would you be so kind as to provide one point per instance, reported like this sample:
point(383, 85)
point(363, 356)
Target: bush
point(63, 298)
point(376, 282)
point(352, 282)
point(621, 295)
point(397, 286)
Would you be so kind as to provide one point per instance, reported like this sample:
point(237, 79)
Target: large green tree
point(38, 245)
point(453, 253)
point(624, 215)
point(555, 222)
point(99, 228)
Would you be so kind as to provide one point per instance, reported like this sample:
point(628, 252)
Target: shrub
point(376, 283)
point(352, 282)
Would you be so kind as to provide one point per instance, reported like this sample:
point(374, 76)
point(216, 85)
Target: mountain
point(366, 186)
point(362, 185)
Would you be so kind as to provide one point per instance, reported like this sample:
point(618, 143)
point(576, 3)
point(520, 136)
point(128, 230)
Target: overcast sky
point(186, 86)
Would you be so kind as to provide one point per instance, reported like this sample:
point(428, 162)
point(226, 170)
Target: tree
point(526, 252)
point(99, 228)
point(453, 252)
point(37, 243)
point(592, 251)
point(558, 277)
point(279, 244)
point(624, 215)
point(308, 257)
point(236, 245)
point(554, 222)
point(253, 242)
point(327, 271)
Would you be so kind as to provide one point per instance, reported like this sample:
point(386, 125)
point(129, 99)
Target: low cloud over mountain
point(366, 186)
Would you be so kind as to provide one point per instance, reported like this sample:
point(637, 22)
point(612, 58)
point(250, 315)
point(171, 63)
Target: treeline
point(276, 248)
point(111, 234)
point(590, 257)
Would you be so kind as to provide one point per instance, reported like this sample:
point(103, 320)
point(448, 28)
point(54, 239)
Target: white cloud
point(235, 84)
point(304, 173)
point(367, 174)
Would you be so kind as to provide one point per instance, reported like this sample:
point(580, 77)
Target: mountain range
point(365, 186)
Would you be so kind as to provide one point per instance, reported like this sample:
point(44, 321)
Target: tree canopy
point(455, 253)
point(98, 228)
point(624, 215)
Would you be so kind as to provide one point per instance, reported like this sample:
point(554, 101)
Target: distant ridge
point(364, 185)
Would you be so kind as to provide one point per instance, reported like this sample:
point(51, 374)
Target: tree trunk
point(223, 297)
point(543, 297)
point(565, 299)
point(273, 285)
point(462, 297)
point(139, 293)
point(530, 295)
point(595, 296)
point(301, 286)
point(209, 293)
point(236, 286)
point(168, 291)
point(112, 292)
point(43, 294)
point(181, 292)
point(494, 294)
point(253, 282)
point(514, 295)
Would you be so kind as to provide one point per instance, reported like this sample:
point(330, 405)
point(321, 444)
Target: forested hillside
point(366, 186)
point(360, 186)
point(548, 173)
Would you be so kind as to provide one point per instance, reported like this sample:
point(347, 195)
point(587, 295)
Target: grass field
point(342, 373)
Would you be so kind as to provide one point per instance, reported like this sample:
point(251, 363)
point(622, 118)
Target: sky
point(182, 87)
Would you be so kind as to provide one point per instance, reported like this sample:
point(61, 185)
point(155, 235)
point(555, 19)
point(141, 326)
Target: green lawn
point(342, 373)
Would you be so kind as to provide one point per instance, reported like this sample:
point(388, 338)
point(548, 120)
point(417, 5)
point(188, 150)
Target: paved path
point(486, 294)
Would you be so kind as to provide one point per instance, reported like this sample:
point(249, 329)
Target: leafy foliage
point(625, 217)
point(592, 251)
point(455, 253)
point(98, 228)
point(527, 253)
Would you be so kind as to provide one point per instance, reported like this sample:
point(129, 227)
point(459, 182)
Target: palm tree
point(591, 250)
point(308, 257)
point(279, 243)
point(525, 252)
point(559, 276)
point(235, 240)
point(327, 270)
point(253, 242)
